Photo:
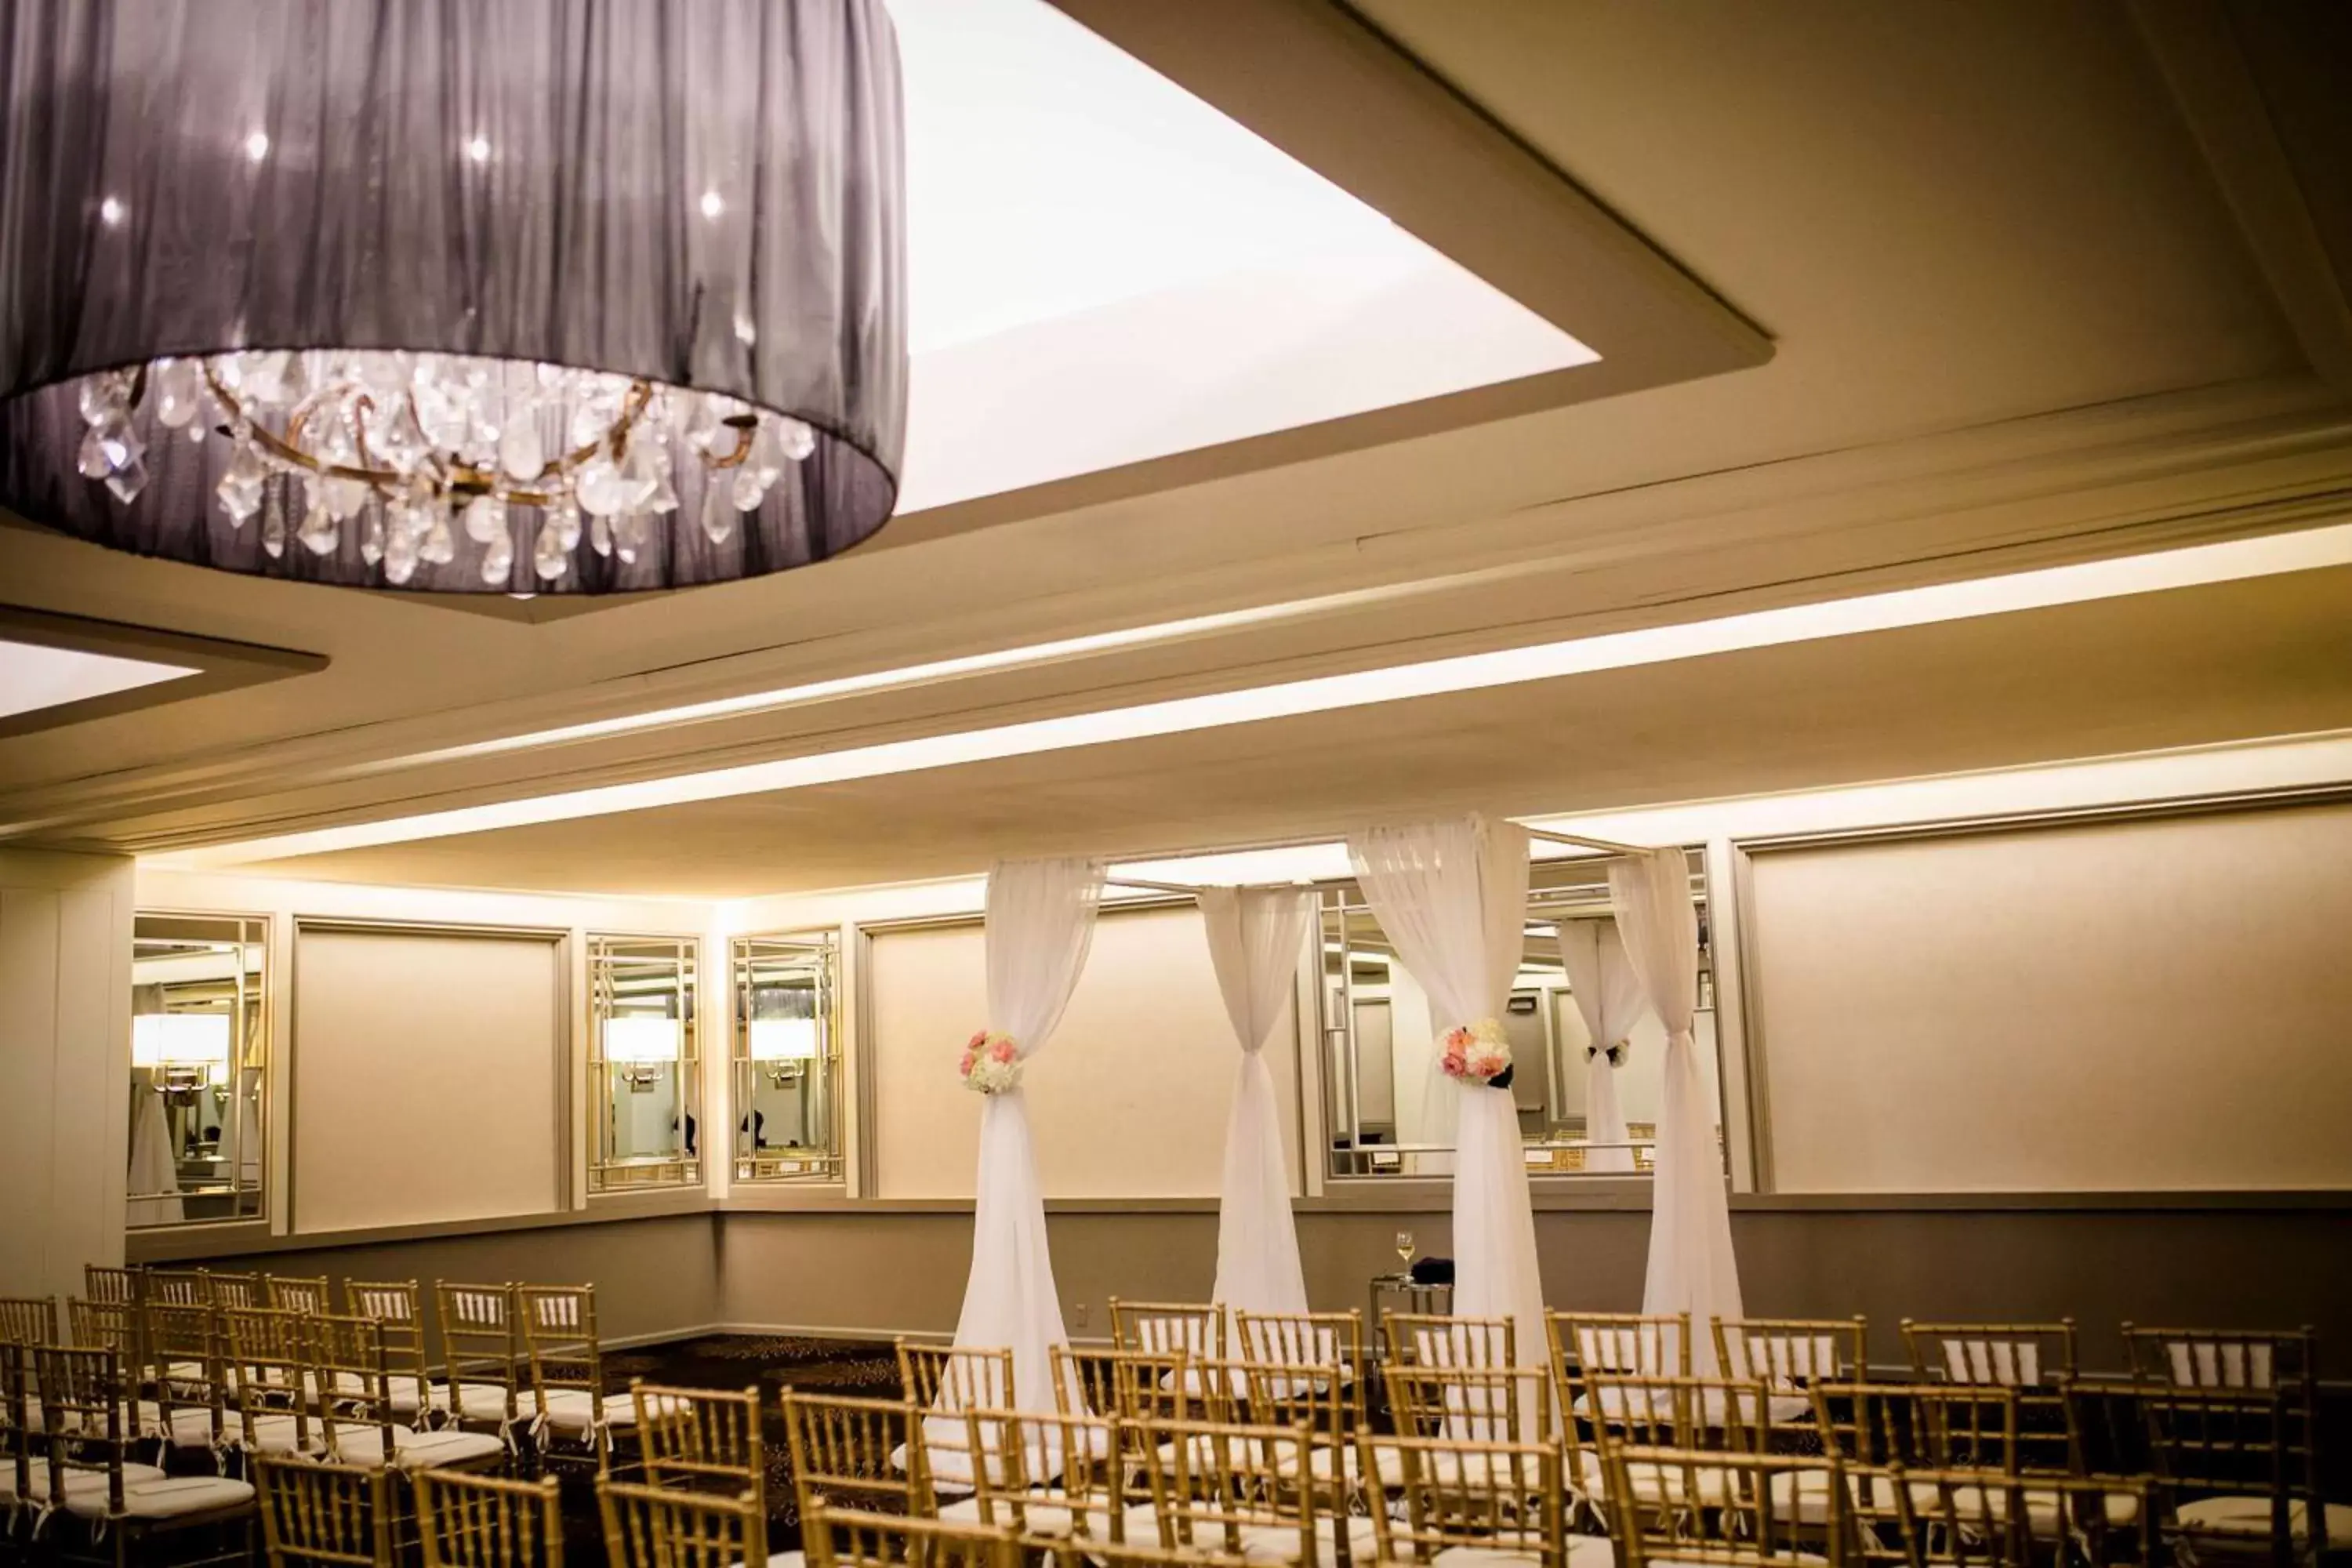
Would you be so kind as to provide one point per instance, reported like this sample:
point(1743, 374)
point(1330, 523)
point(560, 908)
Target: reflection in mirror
point(199, 1056)
point(786, 1063)
point(1390, 1109)
point(643, 1062)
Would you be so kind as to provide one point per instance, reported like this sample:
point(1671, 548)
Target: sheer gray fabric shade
point(705, 194)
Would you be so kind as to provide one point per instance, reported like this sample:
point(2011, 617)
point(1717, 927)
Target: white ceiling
point(33, 677)
point(2024, 310)
point(1103, 268)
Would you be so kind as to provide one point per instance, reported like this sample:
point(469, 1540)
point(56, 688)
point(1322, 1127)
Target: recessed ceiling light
point(2047, 587)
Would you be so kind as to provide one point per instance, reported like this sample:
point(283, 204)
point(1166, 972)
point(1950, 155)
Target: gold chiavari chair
point(1499, 1503)
point(86, 1398)
point(653, 1527)
point(1128, 1555)
point(235, 1289)
point(1130, 1388)
point(567, 1371)
point(2237, 1473)
point(480, 1521)
point(1789, 1355)
point(1332, 1339)
point(850, 1538)
point(361, 1424)
point(1499, 1404)
point(191, 1403)
point(946, 1381)
point(482, 1358)
point(297, 1293)
point(2226, 1358)
point(109, 1325)
point(1332, 1410)
point(1963, 1518)
point(28, 1320)
point(314, 1512)
point(393, 1305)
point(100, 1283)
point(1651, 1346)
point(1036, 1476)
point(700, 1440)
point(269, 1371)
point(1747, 1522)
point(176, 1287)
point(1221, 1487)
point(1421, 1339)
point(2035, 1358)
point(1695, 1415)
point(1198, 1329)
point(868, 1452)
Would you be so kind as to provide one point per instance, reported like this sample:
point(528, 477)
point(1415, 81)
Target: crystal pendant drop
point(718, 513)
point(178, 388)
point(486, 518)
point(273, 533)
point(548, 556)
point(599, 535)
point(91, 461)
point(320, 532)
point(240, 485)
point(798, 439)
point(520, 451)
point(439, 545)
point(600, 487)
point(400, 554)
point(565, 517)
point(371, 535)
point(629, 536)
point(497, 560)
point(130, 475)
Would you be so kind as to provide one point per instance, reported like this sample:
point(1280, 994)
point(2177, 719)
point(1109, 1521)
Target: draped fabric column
point(1041, 920)
point(1254, 935)
point(1691, 1265)
point(1609, 997)
point(153, 1167)
point(1452, 895)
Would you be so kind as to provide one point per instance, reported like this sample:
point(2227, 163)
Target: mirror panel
point(787, 1057)
point(199, 1068)
point(1390, 1109)
point(643, 1062)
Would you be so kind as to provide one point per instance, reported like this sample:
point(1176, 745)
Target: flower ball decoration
point(991, 1063)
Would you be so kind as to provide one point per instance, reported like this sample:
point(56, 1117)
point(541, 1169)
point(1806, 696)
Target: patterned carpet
point(864, 1367)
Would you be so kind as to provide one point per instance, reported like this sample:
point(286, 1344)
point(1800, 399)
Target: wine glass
point(1404, 1248)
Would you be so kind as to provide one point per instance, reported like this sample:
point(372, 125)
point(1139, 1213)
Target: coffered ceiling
point(1899, 296)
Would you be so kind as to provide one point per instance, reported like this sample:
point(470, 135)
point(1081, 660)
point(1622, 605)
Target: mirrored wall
point(787, 1057)
point(643, 1069)
point(1391, 1109)
point(199, 1061)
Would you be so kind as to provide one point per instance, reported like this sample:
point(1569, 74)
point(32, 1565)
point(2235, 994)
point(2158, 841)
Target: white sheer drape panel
point(1452, 895)
point(1041, 920)
point(1609, 998)
point(153, 1167)
point(1256, 936)
point(1691, 1265)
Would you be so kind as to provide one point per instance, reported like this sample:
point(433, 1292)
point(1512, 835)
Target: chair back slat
point(1503, 1498)
point(1712, 1413)
point(852, 1538)
point(191, 1364)
point(28, 1320)
point(482, 1522)
point(297, 1293)
point(312, 1513)
point(871, 1452)
point(653, 1527)
point(1750, 1514)
point(1198, 1329)
point(1491, 1404)
point(700, 1438)
point(1792, 1353)
point(1421, 1339)
point(1303, 1339)
point(481, 1345)
point(1212, 1481)
point(86, 1397)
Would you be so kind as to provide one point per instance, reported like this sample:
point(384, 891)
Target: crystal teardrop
point(486, 518)
point(548, 556)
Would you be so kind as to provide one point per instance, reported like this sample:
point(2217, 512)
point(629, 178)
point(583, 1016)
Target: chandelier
point(549, 296)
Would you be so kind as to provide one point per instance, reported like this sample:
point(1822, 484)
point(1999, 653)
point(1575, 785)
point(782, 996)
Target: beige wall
point(1127, 1099)
point(2133, 1006)
point(65, 1065)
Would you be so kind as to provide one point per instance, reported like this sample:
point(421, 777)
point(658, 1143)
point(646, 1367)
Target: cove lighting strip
point(2047, 587)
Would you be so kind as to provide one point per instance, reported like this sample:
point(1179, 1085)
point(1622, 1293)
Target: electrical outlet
point(1079, 1312)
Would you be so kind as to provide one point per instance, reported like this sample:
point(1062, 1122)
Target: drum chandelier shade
point(469, 296)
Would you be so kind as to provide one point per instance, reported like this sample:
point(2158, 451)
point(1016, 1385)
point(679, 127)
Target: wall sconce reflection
point(784, 1048)
point(639, 1047)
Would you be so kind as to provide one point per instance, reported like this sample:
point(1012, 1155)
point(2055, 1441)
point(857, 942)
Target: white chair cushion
point(1320, 1463)
point(192, 1424)
point(572, 1410)
point(173, 1496)
point(1781, 1409)
point(477, 1401)
point(2251, 1515)
point(1583, 1551)
point(409, 1395)
point(438, 1450)
point(76, 1479)
point(1279, 1543)
point(280, 1434)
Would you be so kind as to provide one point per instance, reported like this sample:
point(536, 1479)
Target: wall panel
point(2147, 1005)
point(427, 1077)
point(1127, 1099)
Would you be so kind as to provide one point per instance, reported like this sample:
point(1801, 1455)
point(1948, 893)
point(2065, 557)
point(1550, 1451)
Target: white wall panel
point(2150, 1004)
point(1127, 1099)
point(427, 1073)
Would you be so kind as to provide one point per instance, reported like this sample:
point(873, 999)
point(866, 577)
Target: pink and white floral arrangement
point(1476, 1053)
point(991, 1063)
